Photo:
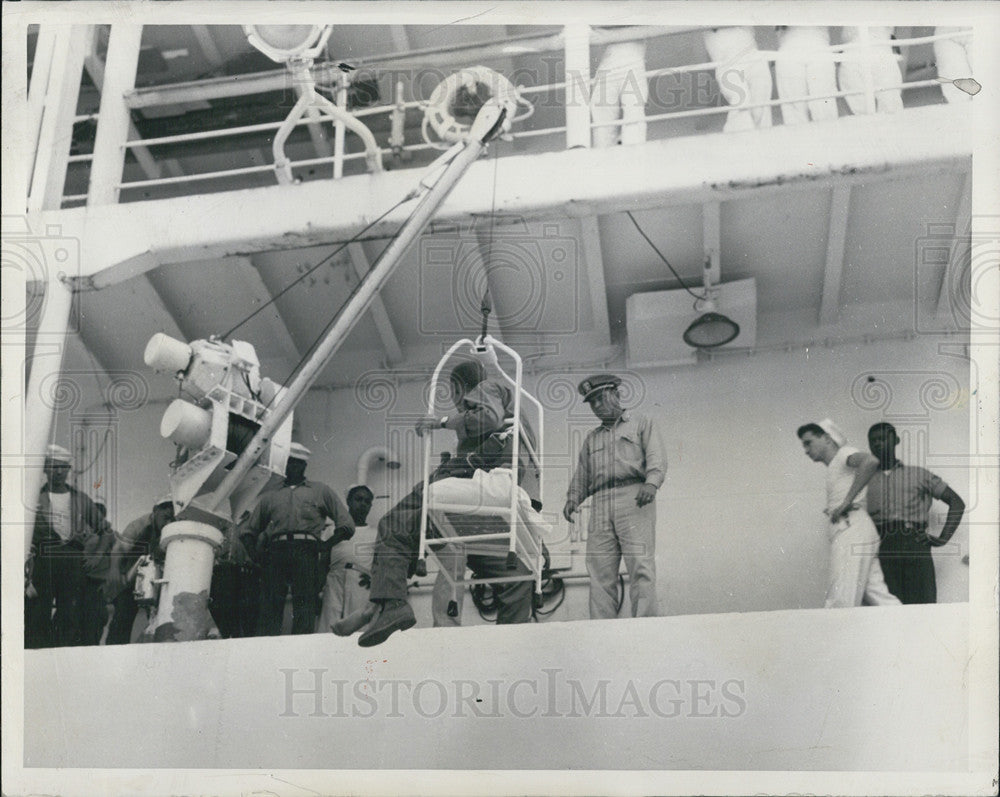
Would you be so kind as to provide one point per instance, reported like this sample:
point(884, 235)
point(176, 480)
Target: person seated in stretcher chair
point(482, 406)
point(484, 489)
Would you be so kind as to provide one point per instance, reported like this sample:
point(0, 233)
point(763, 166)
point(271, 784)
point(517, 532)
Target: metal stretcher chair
point(486, 528)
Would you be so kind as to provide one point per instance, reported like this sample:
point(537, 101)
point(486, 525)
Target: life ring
point(476, 83)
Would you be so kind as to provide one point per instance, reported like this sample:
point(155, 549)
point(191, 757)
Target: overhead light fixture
point(296, 46)
point(711, 329)
point(283, 43)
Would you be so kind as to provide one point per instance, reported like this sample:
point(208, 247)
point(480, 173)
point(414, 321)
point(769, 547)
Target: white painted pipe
point(185, 424)
point(374, 453)
point(182, 613)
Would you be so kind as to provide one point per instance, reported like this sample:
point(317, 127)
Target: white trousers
point(877, 59)
point(954, 60)
point(620, 90)
point(342, 595)
point(744, 77)
point(806, 70)
point(855, 574)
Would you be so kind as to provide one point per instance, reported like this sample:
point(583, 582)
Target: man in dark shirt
point(290, 521)
point(899, 502)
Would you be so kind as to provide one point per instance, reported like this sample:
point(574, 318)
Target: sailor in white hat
point(290, 521)
point(855, 574)
point(66, 520)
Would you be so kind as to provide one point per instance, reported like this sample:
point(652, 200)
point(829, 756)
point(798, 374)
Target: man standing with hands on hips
point(622, 464)
point(899, 502)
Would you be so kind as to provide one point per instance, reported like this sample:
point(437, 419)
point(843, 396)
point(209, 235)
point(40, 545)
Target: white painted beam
point(962, 243)
point(400, 38)
point(119, 242)
point(206, 41)
point(834, 267)
point(593, 262)
point(56, 129)
point(115, 120)
point(386, 333)
point(711, 231)
point(150, 167)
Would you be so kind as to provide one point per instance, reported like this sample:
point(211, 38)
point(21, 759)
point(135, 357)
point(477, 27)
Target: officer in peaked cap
point(592, 385)
point(621, 466)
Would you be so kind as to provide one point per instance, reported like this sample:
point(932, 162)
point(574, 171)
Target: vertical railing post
point(114, 119)
point(55, 135)
point(868, 65)
point(41, 73)
point(576, 39)
point(339, 130)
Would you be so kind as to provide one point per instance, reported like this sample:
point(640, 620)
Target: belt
point(620, 483)
point(293, 536)
point(907, 525)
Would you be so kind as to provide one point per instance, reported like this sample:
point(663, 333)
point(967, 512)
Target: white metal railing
point(340, 156)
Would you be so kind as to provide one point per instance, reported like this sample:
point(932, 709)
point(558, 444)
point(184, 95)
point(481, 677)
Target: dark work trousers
point(235, 599)
point(93, 611)
point(905, 556)
point(57, 575)
point(513, 598)
point(120, 629)
point(397, 546)
point(398, 540)
point(290, 563)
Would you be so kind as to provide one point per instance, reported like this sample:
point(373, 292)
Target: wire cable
point(662, 257)
point(323, 261)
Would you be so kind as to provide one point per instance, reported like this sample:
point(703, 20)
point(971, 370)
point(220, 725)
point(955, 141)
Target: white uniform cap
point(835, 432)
point(58, 454)
point(166, 498)
point(299, 451)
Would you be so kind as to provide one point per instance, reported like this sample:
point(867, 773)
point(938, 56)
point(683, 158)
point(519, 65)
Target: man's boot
point(393, 615)
point(356, 621)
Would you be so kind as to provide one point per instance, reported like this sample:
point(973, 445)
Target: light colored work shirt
point(632, 449)
point(303, 507)
point(903, 493)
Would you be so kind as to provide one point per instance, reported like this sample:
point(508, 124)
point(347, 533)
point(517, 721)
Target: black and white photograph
point(591, 398)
